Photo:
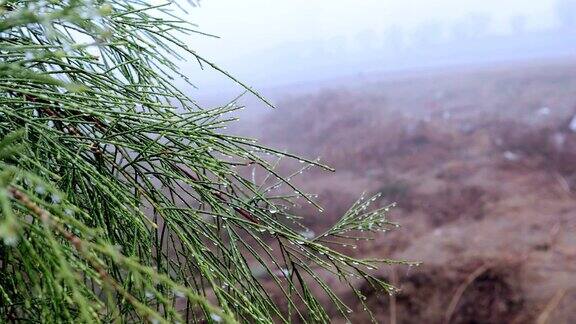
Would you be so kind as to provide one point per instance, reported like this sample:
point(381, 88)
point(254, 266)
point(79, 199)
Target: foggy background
point(462, 112)
point(277, 43)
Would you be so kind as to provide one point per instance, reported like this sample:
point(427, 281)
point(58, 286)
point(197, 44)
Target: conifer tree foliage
point(122, 200)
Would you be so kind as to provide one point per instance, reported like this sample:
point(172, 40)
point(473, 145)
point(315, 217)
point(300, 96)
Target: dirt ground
point(483, 165)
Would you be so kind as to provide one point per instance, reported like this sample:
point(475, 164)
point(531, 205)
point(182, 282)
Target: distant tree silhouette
point(393, 38)
point(367, 39)
point(473, 25)
point(428, 33)
point(566, 13)
point(518, 24)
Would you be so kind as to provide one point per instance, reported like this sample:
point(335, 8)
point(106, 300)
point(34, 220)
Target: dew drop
point(154, 320)
point(40, 190)
point(56, 199)
point(216, 318)
point(178, 293)
point(11, 239)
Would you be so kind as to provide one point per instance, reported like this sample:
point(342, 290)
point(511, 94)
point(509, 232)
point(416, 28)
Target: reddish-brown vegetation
point(483, 166)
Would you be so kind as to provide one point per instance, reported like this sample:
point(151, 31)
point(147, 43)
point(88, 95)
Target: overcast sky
point(251, 25)
point(251, 30)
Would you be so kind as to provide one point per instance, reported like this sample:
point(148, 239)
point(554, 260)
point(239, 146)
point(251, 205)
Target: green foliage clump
point(123, 200)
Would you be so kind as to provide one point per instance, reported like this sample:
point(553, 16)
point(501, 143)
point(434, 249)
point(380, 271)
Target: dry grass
point(480, 175)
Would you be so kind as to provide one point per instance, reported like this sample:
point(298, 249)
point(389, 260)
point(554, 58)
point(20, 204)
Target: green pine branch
point(123, 200)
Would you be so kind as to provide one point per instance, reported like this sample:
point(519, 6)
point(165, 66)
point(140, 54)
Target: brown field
point(482, 163)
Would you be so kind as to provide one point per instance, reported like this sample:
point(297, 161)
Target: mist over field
point(462, 112)
point(300, 42)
